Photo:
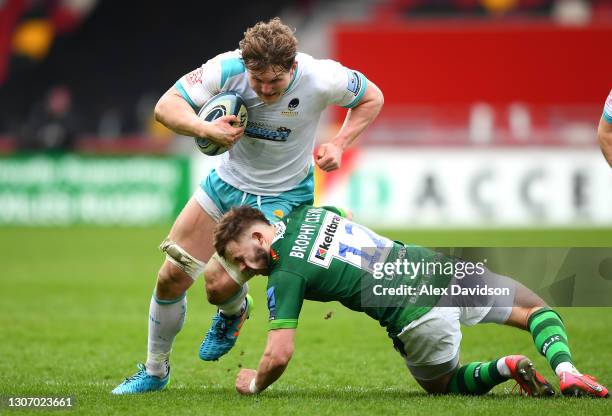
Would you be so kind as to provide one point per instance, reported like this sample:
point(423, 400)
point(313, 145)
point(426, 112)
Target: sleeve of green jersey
point(285, 297)
point(337, 210)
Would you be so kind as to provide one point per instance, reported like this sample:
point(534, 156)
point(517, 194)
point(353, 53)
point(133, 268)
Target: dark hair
point(269, 44)
point(233, 224)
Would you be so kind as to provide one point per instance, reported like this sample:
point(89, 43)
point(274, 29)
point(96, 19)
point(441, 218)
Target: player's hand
point(243, 380)
point(225, 130)
point(329, 157)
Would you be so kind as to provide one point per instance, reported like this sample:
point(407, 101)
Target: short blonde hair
point(269, 44)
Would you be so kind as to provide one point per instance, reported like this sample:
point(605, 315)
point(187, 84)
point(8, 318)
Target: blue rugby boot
point(141, 382)
point(223, 333)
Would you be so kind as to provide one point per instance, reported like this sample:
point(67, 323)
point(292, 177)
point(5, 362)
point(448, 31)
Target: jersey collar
point(295, 75)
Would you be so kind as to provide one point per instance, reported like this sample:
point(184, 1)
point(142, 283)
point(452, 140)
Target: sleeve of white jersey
point(345, 87)
point(607, 113)
point(201, 84)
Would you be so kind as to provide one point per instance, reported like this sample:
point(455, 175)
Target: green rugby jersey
point(319, 255)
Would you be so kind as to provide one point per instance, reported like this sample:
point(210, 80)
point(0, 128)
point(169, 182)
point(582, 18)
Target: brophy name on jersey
point(320, 255)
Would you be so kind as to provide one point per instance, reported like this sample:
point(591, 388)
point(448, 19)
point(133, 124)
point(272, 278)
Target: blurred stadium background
point(489, 121)
point(487, 137)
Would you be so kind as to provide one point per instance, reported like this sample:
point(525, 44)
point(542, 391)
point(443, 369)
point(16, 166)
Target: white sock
point(566, 366)
point(234, 305)
point(503, 368)
point(166, 318)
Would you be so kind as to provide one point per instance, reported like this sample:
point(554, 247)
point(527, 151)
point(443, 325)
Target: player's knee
point(438, 386)
point(218, 292)
point(530, 311)
point(172, 282)
point(520, 315)
point(219, 286)
point(214, 293)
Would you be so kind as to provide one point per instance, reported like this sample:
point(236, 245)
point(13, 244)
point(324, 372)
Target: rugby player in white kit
point(604, 131)
point(269, 166)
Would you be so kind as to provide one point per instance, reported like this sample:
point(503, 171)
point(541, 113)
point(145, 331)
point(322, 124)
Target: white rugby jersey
point(275, 153)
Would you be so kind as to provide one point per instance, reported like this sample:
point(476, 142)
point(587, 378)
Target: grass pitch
point(73, 322)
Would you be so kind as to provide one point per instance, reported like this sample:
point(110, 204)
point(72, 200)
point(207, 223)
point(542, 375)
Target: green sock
point(549, 336)
point(476, 378)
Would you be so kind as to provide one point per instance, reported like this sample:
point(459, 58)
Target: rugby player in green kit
point(318, 254)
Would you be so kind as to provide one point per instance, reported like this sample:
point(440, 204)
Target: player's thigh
point(482, 298)
point(187, 248)
point(507, 302)
point(193, 231)
point(430, 347)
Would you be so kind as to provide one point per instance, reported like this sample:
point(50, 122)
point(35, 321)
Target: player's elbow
point(605, 139)
point(377, 98)
point(160, 110)
point(380, 98)
point(604, 136)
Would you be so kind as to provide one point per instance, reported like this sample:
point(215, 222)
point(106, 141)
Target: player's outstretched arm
point(175, 113)
point(357, 119)
point(604, 136)
point(274, 361)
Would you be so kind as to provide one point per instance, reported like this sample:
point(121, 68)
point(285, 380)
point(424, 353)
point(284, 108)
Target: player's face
point(270, 84)
point(249, 254)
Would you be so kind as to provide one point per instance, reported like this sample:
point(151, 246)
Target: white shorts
point(431, 343)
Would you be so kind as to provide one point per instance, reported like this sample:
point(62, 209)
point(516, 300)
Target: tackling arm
point(274, 361)
point(357, 119)
point(604, 136)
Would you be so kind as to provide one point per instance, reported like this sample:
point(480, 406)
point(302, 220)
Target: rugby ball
point(226, 103)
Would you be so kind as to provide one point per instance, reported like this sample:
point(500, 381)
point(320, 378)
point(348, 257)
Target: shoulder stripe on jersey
point(607, 111)
point(184, 94)
point(364, 82)
point(283, 324)
point(231, 67)
point(295, 73)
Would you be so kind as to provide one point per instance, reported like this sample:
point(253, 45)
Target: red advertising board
point(463, 62)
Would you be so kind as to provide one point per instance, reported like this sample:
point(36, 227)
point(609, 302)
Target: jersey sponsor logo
point(348, 242)
point(280, 228)
point(325, 240)
point(271, 303)
point(194, 77)
point(291, 108)
point(354, 83)
point(293, 104)
point(260, 131)
point(274, 255)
